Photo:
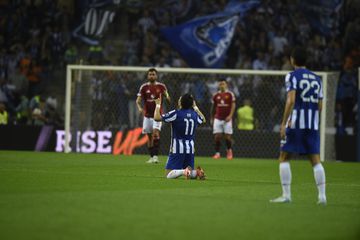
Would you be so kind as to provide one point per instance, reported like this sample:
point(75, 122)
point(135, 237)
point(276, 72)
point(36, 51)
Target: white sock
point(319, 175)
point(175, 173)
point(285, 178)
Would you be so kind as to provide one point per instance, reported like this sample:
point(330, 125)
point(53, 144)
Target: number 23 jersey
point(309, 92)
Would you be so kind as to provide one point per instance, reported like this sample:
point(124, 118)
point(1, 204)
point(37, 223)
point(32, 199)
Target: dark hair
point(299, 55)
point(152, 70)
point(222, 80)
point(187, 101)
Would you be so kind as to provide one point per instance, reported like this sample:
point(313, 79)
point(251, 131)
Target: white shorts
point(221, 126)
point(149, 124)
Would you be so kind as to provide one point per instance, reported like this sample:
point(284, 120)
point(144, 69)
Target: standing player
point(222, 111)
point(148, 93)
point(300, 124)
point(183, 125)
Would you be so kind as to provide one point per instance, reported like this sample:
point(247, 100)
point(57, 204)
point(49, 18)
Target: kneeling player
point(183, 124)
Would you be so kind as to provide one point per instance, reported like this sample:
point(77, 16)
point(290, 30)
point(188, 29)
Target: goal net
point(101, 114)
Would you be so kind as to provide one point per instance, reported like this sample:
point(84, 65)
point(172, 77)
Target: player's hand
point(289, 123)
point(228, 119)
point(141, 111)
point(158, 100)
point(282, 131)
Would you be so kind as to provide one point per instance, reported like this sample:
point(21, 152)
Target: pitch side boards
point(250, 144)
point(102, 141)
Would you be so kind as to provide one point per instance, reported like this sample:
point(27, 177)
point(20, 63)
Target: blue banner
point(203, 41)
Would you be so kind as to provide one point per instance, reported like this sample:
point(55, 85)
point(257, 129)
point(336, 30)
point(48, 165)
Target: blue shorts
point(180, 161)
point(301, 141)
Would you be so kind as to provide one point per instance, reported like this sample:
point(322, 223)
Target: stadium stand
point(37, 42)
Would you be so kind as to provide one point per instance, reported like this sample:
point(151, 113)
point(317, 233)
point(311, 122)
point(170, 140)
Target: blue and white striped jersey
point(309, 92)
point(183, 126)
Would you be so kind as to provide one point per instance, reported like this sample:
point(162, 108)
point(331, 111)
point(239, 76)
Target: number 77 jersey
point(183, 126)
point(309, 92)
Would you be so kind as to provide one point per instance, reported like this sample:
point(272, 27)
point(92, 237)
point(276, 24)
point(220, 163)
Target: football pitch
point(79, 196)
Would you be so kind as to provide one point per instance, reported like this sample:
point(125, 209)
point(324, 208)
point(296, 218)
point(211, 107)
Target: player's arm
point(320, 98)
point(167, 96)
point(230, 116)
point(290, 102)
point(138, 104)
point(320, 104)
point(157, 115)
point(197, 110)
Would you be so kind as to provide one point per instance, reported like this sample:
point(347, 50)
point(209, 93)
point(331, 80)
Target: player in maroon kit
point(222, 111)
point(147, 94)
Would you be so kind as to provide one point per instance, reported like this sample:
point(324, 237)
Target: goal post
point(92, 101)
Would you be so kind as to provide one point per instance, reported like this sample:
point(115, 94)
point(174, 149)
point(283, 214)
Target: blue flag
point(97, 18)
point(203, 41)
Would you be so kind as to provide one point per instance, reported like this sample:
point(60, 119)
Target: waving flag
point(203, 41)
point(97, 18)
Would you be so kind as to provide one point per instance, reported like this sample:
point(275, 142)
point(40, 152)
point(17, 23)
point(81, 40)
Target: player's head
point(298, 57)
point(222, 84)
point(247, 102)
point(186, 101)
point(2, 106)
point(152, 75)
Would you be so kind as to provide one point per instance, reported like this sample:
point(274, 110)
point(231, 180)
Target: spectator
point(25, 64)
point(245, 116)
point(260, 62)
point(133, 12)
point(95, 54)
point(162, 63)
point(22, 111)
point(57, 44)
point(4, 117)
point(19, 82)
point(71, 54)
point(51, 114)
point(34, 76)
point(146, 22)
point(279, 42)
point(3, 92)
point(346, 96)
point(132, 84)
point(39, 114)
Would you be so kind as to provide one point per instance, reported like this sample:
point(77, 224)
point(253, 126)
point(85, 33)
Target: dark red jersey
point(149, 92)
point(222, 103)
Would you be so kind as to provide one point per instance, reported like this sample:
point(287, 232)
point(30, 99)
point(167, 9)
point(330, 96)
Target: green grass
point(78, 196)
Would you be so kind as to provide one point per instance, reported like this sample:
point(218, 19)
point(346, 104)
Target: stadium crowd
point(262, 41)
point(36, 39)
